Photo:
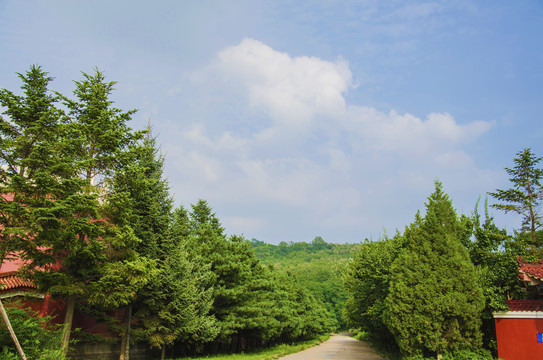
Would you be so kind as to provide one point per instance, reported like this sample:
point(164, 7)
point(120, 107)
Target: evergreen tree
point(100, 131)
point(494, 254)
point(30, 156)
point(149, 200)
point(435, 301)
point(174, 305)
point(367, 283)
point(526, 194)
point(45, 208)
point(250, 301)
point(202, 215)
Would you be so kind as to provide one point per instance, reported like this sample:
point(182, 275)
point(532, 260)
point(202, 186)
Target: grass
point(270, 353)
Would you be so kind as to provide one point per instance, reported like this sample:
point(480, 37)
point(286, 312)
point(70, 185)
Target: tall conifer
point(525, 197)
point(435, 300)
point(52, 212)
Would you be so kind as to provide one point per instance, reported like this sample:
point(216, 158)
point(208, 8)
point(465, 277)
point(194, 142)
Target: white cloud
point(395, 132)
point(292, 89)
point(293, 142)
point(297, 93)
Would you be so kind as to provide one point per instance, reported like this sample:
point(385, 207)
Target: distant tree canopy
point(318, 266)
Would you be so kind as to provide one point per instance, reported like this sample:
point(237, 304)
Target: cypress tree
point(435, 301)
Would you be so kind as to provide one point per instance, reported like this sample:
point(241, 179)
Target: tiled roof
point(531, 272)
point(10, 281)
point(525, 305)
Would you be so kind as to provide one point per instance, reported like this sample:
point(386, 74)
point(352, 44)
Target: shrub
point(39, 339)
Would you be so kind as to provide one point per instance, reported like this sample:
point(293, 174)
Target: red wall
point(517, 338)
point(9, 265)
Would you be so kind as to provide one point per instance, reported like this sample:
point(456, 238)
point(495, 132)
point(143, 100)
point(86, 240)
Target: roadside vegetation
point(430, 291)
point(84, 203)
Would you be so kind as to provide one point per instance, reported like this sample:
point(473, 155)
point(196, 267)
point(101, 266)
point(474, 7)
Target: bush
point(467, 354)
point(458, 354)
point(39, 339)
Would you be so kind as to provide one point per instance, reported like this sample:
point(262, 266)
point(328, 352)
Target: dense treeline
point(318, 266)
point(318, 249)
point(85, 204)
point(433, 288)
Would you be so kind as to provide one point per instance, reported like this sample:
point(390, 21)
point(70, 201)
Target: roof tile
point(11, 281)
point(525, 305)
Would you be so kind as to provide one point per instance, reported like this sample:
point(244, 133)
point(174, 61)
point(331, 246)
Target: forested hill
point(299, 252)
point(318, 266)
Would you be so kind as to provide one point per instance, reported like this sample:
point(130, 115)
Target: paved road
point(338, 347)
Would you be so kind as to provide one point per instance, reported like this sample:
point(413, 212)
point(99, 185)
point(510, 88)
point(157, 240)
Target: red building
point(519, 331)
point(12, 286)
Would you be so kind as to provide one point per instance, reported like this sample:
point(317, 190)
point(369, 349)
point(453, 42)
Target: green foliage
point(318, 267)
point(38, 338)
point(84, 203)
point(174, 306)
point(34, 172)
point(435, 301)
point(249, 299)
point(120, 282)
point(99, 131)
point(173, 302)
point(294, 253)
point(323, 279)
point(494, 255)
point(367, 283)
point(524, 198)
point(458, 354)
point(149, 201)
point(51, 213)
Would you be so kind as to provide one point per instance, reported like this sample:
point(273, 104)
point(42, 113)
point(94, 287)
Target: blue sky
point(297, 119)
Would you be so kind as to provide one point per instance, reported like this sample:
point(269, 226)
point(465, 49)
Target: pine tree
point(141, 179)
point(494, 254)
point(31, 161)
point(174, 305)
point(250, 301)
point(100, 131)
point(435, 300)
point(44, 206)
point(526, 194)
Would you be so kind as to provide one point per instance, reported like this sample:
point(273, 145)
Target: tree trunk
point(163, 353)
point(125, 340)
point(11, 332)
point(68, 320)
point(122, 356)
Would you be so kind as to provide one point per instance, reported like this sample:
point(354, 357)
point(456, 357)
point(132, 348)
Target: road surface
point(338, 347)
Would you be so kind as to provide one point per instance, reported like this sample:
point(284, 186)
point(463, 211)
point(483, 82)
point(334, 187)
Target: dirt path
point(338, 347)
